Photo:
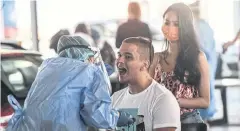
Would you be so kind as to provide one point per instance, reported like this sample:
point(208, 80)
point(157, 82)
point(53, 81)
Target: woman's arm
point(204, 88)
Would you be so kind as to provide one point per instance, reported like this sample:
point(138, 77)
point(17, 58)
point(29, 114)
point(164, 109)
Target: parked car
point(18, 71)
point(11, 44)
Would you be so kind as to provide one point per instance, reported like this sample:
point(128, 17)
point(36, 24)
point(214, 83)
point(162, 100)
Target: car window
point(20, 73)
point(10, 45)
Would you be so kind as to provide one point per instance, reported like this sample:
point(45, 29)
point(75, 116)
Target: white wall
point(236, 9)
point(56, 14)
point(67, 13)
point(221, 18)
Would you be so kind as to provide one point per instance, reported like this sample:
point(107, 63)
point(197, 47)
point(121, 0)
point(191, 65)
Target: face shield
point(76, 47)
point(97, 60)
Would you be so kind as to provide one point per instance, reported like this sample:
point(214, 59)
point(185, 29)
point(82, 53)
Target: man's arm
point(166, 113)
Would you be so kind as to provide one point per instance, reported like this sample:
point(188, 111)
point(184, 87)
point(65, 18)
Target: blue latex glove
point(125, 119)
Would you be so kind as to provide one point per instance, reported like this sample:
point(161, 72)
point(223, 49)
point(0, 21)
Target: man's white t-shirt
point(156, 104)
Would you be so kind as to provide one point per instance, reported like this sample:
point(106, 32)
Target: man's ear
point(91, 59)
point(146, 65)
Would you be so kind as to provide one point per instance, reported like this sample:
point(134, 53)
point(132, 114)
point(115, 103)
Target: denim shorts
point(191, 117)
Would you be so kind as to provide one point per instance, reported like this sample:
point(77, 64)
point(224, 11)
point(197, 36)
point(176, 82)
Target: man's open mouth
point(122, 70)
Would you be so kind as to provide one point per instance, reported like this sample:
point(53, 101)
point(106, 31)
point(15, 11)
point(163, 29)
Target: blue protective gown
point(67, 95)
point(207, 44)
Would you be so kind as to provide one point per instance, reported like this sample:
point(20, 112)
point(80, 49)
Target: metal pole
point(236, 12)
point(34, 25)
point(1, 21)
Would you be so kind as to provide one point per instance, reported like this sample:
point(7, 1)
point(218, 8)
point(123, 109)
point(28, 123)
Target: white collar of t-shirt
point(140, 93)
point(134, 100)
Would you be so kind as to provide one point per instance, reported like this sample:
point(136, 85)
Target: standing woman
point(182, 67)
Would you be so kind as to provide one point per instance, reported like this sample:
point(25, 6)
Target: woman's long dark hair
point(187, 60)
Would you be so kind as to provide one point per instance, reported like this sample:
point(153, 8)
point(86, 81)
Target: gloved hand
point(125, 119)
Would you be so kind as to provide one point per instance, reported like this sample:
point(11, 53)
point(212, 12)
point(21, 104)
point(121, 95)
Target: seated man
point(70, 92)
point(156, 104)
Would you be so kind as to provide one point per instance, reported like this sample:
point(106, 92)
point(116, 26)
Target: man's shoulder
point(135, 22)
point(123, 24)
point(165, 108)
point(160, 91)
point(145, 24)
point(163, 95)
point(119, 94)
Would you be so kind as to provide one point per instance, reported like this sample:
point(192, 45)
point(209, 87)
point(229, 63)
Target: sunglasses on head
point(147, 41)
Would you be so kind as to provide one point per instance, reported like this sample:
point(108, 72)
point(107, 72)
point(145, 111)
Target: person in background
point(108, 56)
point(56, 37)
point(230, 43)
point(134, 27)
point(85, 32)
point(208, 46)
point(183, 67)
point(94, 39)
point(69, 93)
point(106, 50)
point(95, 34)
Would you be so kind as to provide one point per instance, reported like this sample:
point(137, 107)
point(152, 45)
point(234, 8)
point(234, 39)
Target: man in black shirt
point(133, 27)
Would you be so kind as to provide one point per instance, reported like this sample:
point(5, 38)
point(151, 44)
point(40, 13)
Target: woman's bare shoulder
point(159, 54)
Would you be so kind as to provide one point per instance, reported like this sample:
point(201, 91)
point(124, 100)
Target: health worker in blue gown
point(70, 93)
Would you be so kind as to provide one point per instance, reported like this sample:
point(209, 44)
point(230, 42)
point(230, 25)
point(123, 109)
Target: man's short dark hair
point(145, 45)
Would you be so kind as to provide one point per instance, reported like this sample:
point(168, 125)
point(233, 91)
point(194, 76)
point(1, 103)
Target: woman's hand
point(226, 45)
